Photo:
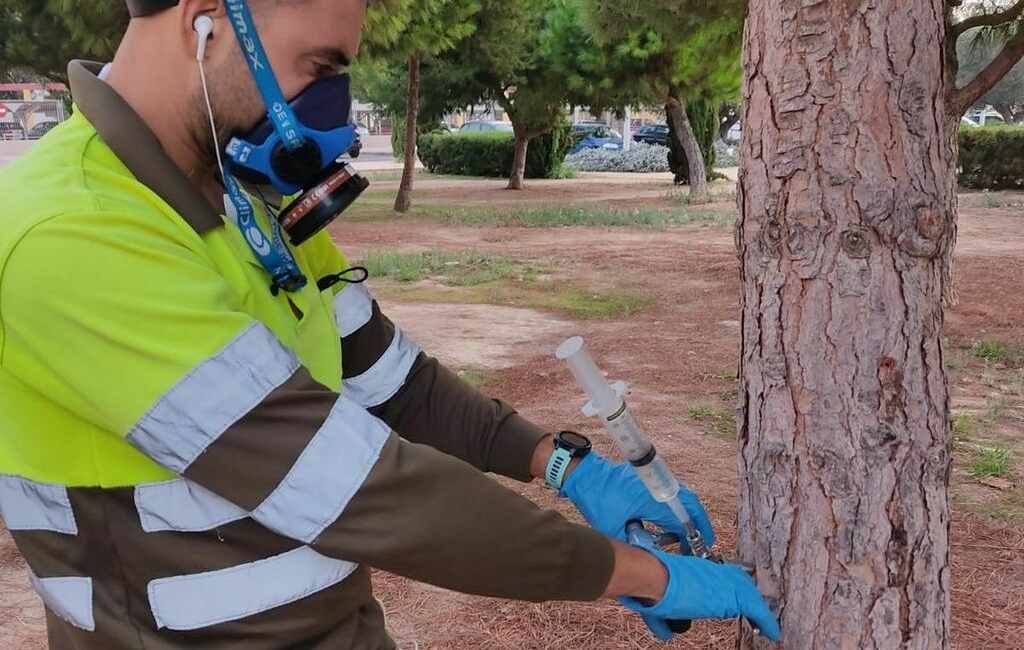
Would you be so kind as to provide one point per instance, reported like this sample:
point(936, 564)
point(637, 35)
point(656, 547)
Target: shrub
point(641, 157)
point(491, 154)
point(992, 158)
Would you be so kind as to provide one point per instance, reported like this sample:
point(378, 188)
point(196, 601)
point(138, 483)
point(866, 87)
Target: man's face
point(305, 40)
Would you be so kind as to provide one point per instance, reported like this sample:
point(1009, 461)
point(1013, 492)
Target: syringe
point(607, 402)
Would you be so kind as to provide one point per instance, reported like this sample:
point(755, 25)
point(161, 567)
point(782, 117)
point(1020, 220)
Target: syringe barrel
point(587, 374)
point(631, 440)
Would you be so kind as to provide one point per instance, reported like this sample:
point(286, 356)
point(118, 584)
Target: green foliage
point(491, 154)
point(424, 125)
point(399, 29)
point(992, 158)
point(703, 116)
point(43, 35)
point(991, 461)
point(686, 48)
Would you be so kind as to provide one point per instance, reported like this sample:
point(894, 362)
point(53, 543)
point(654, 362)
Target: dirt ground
point(679, 352)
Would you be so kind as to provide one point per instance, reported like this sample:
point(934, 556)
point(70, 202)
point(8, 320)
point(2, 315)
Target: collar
point(136, 146)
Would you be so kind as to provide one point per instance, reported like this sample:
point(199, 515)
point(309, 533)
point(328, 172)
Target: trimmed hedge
point(491, 154)
point(992, 158)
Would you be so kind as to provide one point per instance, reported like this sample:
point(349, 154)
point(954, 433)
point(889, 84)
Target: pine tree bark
point(847, 212)
point(683, 133)
point(403, 201)
point(515, 179)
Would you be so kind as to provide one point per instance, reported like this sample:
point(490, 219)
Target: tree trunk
point(847, 211)
point(412, 109)
point(515, 180)
point(683, 133)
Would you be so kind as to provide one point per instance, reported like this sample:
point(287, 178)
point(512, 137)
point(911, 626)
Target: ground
point(658, 306)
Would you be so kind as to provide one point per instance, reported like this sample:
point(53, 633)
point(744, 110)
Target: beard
point(236, 106)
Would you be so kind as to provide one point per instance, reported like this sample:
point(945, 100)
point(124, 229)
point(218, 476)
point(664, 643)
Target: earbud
point(203, 25)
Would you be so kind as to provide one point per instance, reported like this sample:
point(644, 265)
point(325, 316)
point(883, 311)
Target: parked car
point(485, 126)
point(652, 134)
point(595, 135)
point(357, 146)
point(41, 129)
point(968, 122)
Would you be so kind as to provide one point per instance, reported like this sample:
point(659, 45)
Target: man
point(198, 447)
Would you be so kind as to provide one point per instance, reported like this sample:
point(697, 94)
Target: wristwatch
point(568, 445)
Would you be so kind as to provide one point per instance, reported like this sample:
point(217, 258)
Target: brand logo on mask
point(237, 10)
point(281, 117)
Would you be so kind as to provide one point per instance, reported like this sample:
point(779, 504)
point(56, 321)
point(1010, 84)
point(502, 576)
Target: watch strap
point(558, 464)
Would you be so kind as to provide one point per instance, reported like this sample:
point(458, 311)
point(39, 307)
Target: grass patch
point(528, 293)
point(683, 197)
point(586, 216)
point(716, 420)
point(999, 352)
point(964, 426)
point(467, 268)
point(589, 304)
point(991, 461)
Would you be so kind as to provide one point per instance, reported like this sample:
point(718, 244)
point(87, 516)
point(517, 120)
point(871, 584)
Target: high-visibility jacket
point(185, 460)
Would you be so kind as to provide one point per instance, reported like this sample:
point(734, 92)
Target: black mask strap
point(329, 281)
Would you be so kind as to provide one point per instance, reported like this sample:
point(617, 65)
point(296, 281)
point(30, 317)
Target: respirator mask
point(296, 150)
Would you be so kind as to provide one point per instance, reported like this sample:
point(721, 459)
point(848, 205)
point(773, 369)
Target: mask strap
point(278, 110)
point(329, 281)
point(274, 255)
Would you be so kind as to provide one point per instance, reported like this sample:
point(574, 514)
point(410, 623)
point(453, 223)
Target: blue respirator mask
point(296, 149)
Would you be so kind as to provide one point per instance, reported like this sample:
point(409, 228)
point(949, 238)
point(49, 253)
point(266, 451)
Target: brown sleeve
point(434, 407)
point(314, 466)
point(427, 516)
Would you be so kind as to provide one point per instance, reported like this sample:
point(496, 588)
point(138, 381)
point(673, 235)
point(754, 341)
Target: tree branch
point(961, 99)
point(987, 20)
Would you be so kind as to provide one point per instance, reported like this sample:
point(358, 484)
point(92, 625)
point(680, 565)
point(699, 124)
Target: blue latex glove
point(703, 589)
point(609, 494)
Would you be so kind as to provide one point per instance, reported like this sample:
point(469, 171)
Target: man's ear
point(201, 41)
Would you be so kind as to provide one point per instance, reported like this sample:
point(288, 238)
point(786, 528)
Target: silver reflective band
point(327, 473)
point(215, 395)
point(189, 602)
point(383, 379)
point(353, 307)
point(183, 506)
point(68, 598)
point(29, 505)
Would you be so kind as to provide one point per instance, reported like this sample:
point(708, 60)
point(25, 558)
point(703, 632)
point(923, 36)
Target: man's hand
point(608, 495)
point(703, 589)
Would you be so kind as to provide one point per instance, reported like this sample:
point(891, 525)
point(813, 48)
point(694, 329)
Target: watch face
point(572, 440)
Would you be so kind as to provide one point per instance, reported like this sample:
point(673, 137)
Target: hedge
point(992, 158)
point(491, 154)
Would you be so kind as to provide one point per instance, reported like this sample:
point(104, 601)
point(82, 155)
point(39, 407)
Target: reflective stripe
point(28, 505)
point(327, 473)
point(68, 598)
point(215, 395)
point(183, 506)
point(353, 307)
point(189, 602)
point(379, 384)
